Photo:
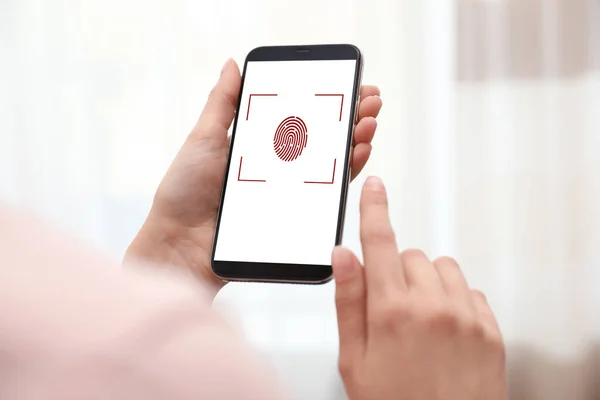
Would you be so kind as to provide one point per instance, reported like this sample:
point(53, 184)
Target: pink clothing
point(76, 326)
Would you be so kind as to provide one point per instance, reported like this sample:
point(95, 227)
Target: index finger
point(378, 240)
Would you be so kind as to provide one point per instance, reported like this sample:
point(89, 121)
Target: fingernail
point(343, 266)
point(229, 60)
point(374, 183)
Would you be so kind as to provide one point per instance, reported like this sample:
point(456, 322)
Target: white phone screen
point(284, 185)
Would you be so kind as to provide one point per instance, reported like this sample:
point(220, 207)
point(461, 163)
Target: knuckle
point(410, 255)
point(346, 368)
point(231, 99)
point(214, 95)
point(495, 347)
point(446, 261)
point(442, 318)
point(501, 351)
point(495, 342)
point(210, 126)
point(350, 296)
point(214, 92)
point(204, 129)
point(473, 328)
point(377, 233)
point(479, 295)
point(389, 315)
point(219, 95)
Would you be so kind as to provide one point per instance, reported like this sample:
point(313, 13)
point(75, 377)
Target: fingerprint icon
point(290, 138)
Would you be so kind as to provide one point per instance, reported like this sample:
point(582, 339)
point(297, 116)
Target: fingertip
point(337, 251)
point(360, 156)
point(379, 104)
point(226, 66)
point(369, 90)
point(340, 255)
point(219, 109)
point(374, 184)
point(373, 196)
point(229, 67)
point(376, 101)
point(369, 107)
point(344, 264)
point(230, 80)
point(365, 130)
point(362, 150)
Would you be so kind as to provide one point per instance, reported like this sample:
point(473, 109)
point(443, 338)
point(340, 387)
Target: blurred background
point(489, 143)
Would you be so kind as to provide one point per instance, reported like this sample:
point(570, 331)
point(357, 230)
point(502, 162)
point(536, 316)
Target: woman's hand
point(411, 328)
point(180, 226)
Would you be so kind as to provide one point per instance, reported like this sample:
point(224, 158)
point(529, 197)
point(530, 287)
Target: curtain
point(488, 141)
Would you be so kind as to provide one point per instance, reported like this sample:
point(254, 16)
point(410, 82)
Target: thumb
point(350, 301)
point(222, 102)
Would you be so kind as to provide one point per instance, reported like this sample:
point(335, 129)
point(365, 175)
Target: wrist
point(161, 242)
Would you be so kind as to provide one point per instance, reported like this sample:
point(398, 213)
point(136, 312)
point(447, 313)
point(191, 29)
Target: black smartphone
point(284, 194)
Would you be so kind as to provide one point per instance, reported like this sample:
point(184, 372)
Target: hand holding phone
point(283, 200)
point(180, 228)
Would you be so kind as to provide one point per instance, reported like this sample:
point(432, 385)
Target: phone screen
point(283, 191)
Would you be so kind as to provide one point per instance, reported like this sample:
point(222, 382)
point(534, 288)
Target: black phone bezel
point(277, 272)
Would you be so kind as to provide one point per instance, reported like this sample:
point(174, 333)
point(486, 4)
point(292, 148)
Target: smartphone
point(284, 194)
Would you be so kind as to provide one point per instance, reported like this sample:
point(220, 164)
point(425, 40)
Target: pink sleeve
point(75, 326)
